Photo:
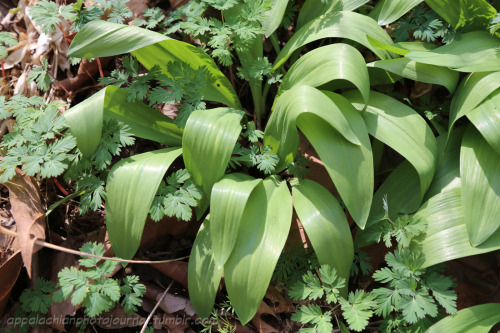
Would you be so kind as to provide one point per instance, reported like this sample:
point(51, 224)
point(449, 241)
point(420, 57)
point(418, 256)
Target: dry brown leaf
point(24, 196)
point(176, 270)
point(9, 272)
point(262, 325)
point(279, 302)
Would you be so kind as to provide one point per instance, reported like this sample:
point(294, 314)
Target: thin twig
point(156, 307)
point(59, 186)
point(40, 242)
point(3, 69)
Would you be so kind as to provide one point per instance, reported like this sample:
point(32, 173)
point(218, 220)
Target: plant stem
point(59, 186)
point(148, 319)
point(40, 242)
point(274, 41)
point(3, 69)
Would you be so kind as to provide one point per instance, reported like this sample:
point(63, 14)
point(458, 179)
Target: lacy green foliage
point(90, 173)
point(495, 24)
point(254, 155)
point(221, 36)
point(39, 298)
point(361, 263)
point(260, 68)
point(358, 309)
point(36, 144)
point(299, 167)
point(218, 321)
point(323, 287)
point(403, 230)
point(412, 294)
point(33, 305)
point(177, 197)
point(154, 17)
point(40, 74)
point(293, 263)
point(290, 13)
point(49, 15)
point(6, 39)
point(93, 287)
point(422, 23)
point(182, 87)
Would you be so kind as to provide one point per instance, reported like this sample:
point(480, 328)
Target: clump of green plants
point(422, 23)
point(94, 288)
point(91, 288)
point(219, 320)
point(6, 39)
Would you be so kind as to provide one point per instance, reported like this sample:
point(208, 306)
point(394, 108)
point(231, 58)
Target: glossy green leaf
point(327, 63)
point(312, 9)
point(327, 120)
point(480, 174)
point(102, 39)
point(475, 51)
point(448, 166)
point(204, 275)
point(326, 226)
point(348, 25)
point(131, 186)
point(402, 190)
point(475, 319)
point(485, 118)
point(85, 120)
point(419, 72)
point(446, 235)
point(471, 92)
point(229, 198)
point(262, 236)
point(207, 144)
point(467, 15)
point(401, 128)
point(274, 16)
point(388, 11)
point(391, 48)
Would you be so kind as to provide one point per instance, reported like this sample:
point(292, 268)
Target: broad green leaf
point(475, 319)
point(85, 120)
point(447, 173)
point(348, 25)
point(261, 238)
point(312, 9)
point(466, 15)
point(326, 226)
point(229, 198)
point(388, 11)
point(203, 273)
point(446, 235)
point(402, 189)
point(471, 92)
point(391, 48)
point(327, 63)
point(485, 118)
point(102, 39)
point(475, 51)
point(131, 186)
point(328, 121)
point(207, 144)
point(480, 174)
point(401, 128)
point(274, 16)
point(419, 72)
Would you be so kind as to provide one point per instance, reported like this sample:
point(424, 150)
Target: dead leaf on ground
point(263, 326)
point(9, 272)
point(27, 209)
point(176, 270)
point(279, 302)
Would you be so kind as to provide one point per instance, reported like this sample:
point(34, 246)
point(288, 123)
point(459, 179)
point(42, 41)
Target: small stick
point(6, 231)
point(3, 69)
point(148, 319)
point(100, 67)
point(59, 186)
